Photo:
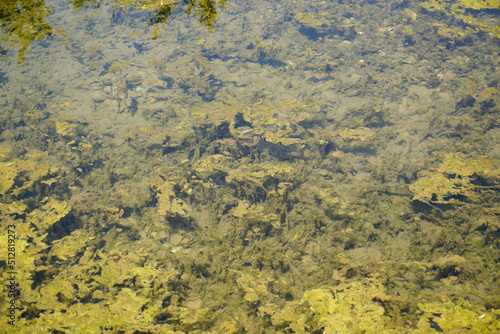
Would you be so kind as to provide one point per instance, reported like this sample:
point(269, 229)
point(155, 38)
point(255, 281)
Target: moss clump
point(168, 204)
point(64, 128)
point(255, 288)
point(455, 179)
point(348, 308)
point(457, 317)
point(461, 9)
point(22, 175)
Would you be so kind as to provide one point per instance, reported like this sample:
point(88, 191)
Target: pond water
point(215, 166)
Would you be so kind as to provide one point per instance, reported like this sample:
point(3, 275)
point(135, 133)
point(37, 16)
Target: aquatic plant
point(22, 174)
point(57, 280)
point(254, 287)
point(457, 316)
point(29, 222)
point(275, 123)
point(64, 128)
point(348, 308)
point(168, 203)
point(462, 9)
point(453, 180)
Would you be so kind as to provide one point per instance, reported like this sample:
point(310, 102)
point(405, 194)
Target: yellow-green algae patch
point(461, 10)
point(455, 177)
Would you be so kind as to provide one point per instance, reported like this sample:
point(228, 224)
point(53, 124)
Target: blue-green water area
point(211, 166)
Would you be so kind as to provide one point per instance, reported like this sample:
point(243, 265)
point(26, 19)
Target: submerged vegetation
point(463, 10)
point(457, 177)
point(327, 170)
